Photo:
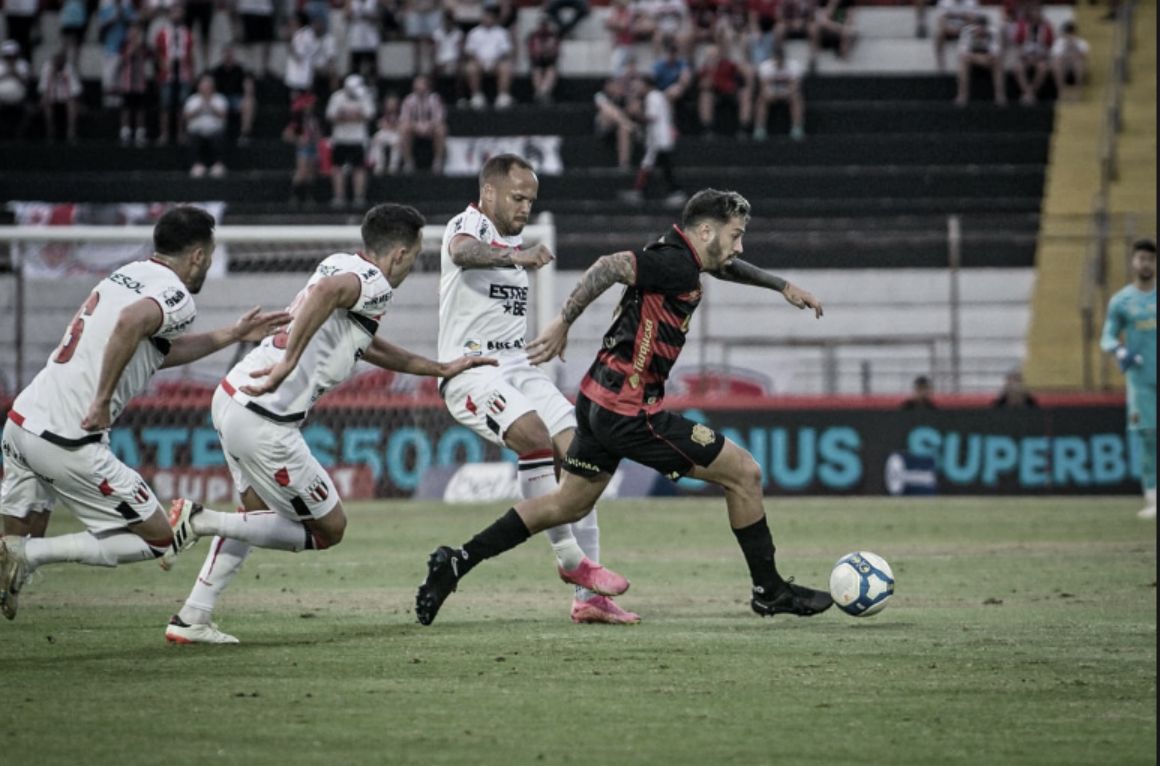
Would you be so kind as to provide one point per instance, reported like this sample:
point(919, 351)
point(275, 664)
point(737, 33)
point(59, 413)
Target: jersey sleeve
point(666, 270)
point(1113, 325)
point(374, 290)
point(177, 311)
point(474, 224)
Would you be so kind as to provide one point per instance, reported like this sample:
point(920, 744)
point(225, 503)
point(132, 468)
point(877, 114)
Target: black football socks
point(757, 544)
point(507, 532)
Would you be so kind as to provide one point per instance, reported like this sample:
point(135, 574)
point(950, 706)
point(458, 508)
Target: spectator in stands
point(1033, 40)
point(1014, 394)
point(205, 114)
point(325, 59)
point(234, 82)
point(980, 45)
point(672, 25)
point(448, 43)
point(619, 23)
point(257, 24)
point(506, 16)
point(173, 49)
point(797, 20)
point(543, 55)
point(304, 132)
point(780, 79)
point(60, 92)
point(762, 17)
point(659, 145)
point(613, 120)
point(422, 117)
point(956, 15)
point(300, 55)
point(22, 20)
point(703, 21)
point(349, 112)
point(488, 50)
point(1069, 62)
point(200, 14)
point(133, 85)
point(922, 398)
point(114, 17)
point(672, 73)
point(421, 18)
point(835, 26)
point(566, 22)
point(15, 79)
point(467, 13)
point(73, 20)
point(722, 83)
point(385, 155)
point(363, 37)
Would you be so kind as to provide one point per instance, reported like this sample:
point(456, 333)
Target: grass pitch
point(1022, 631)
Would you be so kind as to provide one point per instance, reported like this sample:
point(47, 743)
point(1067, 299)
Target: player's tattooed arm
point(470, 253)
point(607, 271)
point(136, 322)
point(746, 273)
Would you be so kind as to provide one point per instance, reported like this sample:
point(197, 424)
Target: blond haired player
point(56, 443)
point(483, 302)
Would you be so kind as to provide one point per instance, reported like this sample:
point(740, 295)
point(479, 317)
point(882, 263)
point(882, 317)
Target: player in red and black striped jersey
point(619, 410)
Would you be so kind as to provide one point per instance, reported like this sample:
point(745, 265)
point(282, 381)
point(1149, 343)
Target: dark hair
point(500, 165)
point(180, 228)
point(921, 380)
point(1069, 27)
point(718, 206)
point(1147, 245)
point(388, 225)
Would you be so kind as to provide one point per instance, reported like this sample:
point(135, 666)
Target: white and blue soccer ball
point(861, 583)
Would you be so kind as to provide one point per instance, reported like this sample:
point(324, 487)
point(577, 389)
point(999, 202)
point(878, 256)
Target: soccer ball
point(861, 583)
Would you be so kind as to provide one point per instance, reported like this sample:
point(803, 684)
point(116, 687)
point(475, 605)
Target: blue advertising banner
point(377, 451)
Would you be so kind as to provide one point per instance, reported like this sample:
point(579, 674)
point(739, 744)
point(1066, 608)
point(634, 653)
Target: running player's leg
point(1142, 421)
point(488, 404)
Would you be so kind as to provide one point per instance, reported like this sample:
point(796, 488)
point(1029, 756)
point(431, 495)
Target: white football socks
point(262, 529)
point(537, 474)
point(84, 548)
point(222, 564)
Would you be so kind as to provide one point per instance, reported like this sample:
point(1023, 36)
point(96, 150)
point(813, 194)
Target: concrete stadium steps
point(1055, 348)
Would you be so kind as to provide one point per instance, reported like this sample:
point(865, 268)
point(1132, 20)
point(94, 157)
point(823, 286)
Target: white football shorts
point(104, 493)
point(489, 399)
point(273, 460)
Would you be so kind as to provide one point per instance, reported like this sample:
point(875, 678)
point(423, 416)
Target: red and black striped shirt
point(648, 332)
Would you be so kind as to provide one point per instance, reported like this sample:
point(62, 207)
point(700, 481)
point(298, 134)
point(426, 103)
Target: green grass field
point(1022, 631)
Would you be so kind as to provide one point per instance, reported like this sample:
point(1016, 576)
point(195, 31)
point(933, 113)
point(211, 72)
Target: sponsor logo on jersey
point(484, 229)
point(515, 298)
point(172, 296)
point(370, 274)
point(182, 324)
point(703, 435)
point(328, 271)
point(123, 280)
point(375, 301)
point(105, 487)
point(282, 476)
point(645, 347)
point(581, 464)
point(472, 347)
point(471, 406)
point(504, 345)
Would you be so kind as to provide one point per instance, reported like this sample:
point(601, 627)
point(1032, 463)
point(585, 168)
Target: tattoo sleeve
point(747, 274)
point(607, 271)
point(475, 254)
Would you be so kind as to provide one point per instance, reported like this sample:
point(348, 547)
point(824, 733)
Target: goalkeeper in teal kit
point(1130, 333)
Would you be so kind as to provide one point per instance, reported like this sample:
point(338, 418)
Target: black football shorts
point(664, 441)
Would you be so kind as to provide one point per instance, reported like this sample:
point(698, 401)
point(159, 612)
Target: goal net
point(378, 434)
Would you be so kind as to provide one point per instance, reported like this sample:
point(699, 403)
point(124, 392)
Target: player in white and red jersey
point(290, 502)
point(56, 444)
point(483, 302)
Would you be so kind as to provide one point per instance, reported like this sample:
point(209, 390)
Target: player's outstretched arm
point(136, 322)
point(607, 271)
point(340, 291)
point(471, 253)
point(253, 325)
point(746, 273)
point(391, 357)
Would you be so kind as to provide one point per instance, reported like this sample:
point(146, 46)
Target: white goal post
point(51, 268)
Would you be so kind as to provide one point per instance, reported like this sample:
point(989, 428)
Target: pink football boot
point(601, 609)
point(595, 578)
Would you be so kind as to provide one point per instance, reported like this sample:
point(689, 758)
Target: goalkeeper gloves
point(1126, 359)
